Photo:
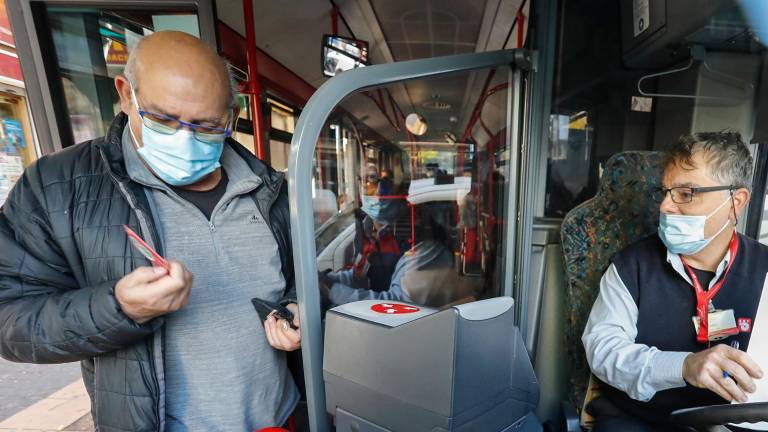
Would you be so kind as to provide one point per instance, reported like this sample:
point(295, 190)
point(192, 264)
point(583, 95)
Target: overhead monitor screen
point(341, 54)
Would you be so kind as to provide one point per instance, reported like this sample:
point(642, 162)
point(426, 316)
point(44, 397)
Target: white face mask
point(684, 235)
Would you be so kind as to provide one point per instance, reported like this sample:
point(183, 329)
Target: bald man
point(171, 348)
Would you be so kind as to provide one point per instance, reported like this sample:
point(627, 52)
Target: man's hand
point(705, 369)
point(149, 292)
point(280, 335)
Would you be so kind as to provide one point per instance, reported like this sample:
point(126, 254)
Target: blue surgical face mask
point(179, 159)
point(684, 235)
point(372, 206)
point(383, 211)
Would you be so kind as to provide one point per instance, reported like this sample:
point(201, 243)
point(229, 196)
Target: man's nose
point(668, 206)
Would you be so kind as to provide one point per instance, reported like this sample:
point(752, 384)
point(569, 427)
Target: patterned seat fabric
point(624, 210)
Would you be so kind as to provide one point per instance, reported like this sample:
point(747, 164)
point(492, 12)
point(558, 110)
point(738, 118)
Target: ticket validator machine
point(399, 367)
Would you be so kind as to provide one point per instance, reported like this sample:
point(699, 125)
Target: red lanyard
point(703, 298)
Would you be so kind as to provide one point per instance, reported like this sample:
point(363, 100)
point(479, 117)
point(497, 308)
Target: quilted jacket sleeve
point(45, 317)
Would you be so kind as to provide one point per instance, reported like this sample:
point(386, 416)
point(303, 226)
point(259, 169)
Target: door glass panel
point(427, 197)
point(92, 47)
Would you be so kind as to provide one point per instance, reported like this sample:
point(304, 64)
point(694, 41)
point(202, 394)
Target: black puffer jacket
point(63, 248)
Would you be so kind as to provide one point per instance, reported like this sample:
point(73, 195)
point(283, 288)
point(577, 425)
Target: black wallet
point(264, 308)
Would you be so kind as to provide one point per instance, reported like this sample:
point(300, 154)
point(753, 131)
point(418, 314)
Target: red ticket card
point(146, 250)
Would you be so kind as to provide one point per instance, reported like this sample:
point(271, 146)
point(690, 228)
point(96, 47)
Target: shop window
point(17, 147)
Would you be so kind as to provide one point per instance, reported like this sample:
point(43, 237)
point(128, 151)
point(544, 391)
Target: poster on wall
point(14, 135)
point(11, 168)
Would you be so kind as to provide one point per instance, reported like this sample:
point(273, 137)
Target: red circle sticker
point(394, 308)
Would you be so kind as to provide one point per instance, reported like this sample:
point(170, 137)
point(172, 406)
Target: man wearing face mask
point(673, 319)
point(376, 247)
point(175, 350)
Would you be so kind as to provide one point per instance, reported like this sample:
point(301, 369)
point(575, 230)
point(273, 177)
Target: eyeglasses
point(685, 194)
point(168, 125)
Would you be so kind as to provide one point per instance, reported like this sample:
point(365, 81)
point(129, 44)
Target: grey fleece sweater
point(220, 372)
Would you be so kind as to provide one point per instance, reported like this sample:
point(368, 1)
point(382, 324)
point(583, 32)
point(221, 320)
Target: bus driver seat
point(623, 211)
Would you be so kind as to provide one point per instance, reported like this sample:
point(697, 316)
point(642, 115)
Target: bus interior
point(474, 135)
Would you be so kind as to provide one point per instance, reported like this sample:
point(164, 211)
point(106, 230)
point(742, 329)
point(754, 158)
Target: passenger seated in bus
point(640, 338)
point(371, 185)
point(386, 185)
point(431, 169)
point(425, 275)
point(377, 249)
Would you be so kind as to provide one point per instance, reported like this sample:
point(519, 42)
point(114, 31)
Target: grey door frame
point(37, 78)
point(534, 154)
point(305, 137)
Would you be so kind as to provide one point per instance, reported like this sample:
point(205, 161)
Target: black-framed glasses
point(685, 194)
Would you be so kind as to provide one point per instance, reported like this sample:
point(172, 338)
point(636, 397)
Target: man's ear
point(740, 199)
point(123, 88)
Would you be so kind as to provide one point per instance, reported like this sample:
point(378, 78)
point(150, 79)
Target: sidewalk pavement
point(66, 410)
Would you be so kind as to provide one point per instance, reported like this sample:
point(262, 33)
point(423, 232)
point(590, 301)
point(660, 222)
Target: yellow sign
point(425, 155)
point(117, 53)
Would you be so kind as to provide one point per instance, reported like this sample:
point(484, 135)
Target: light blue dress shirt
point(609, 339)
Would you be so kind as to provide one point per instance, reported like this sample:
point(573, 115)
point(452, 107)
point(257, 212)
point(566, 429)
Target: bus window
point(429, 219)
point(325, 190)
point(703, 76)
point(282, 122)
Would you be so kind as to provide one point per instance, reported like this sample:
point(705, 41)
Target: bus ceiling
point(394, 31)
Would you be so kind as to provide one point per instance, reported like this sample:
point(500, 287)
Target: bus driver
point(675, 310)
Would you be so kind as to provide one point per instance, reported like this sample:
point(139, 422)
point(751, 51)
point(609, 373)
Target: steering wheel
point(708, 418)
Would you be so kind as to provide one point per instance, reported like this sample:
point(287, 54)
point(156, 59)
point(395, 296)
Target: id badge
point(722, 323)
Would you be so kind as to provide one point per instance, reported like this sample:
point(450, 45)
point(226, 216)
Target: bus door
point(70, 53)
point(456, 124)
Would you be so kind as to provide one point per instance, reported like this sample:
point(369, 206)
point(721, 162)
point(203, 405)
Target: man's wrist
point(668, 368)
point(686, 366)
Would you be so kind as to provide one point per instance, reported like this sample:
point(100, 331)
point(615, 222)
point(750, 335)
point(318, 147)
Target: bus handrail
point(303, 144)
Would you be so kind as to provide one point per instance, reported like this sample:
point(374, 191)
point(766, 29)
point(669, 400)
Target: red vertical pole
point(520, 23)
point(413, 225)
point(253, 87)
point(335, 20)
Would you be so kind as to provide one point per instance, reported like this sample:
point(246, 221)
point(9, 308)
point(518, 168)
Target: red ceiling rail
point(476, 112)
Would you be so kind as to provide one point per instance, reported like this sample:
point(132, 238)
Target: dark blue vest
point(666, 303)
